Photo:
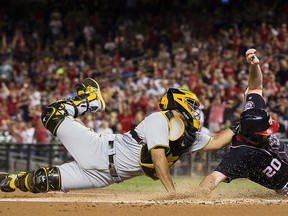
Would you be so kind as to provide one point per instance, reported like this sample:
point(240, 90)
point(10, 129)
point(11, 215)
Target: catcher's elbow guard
point(40, 181)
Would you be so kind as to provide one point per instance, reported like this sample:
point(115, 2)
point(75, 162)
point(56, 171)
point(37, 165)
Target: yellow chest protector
point(177, 147)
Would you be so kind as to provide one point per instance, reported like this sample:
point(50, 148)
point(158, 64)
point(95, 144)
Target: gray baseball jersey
point(90, 151)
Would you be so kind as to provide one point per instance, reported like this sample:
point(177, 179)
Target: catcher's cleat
point(8, 185)
point(3, 175)
point(90, 89)
point(8, 182)
point(38, 181)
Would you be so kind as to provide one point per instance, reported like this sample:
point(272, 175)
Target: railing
point(20, 157)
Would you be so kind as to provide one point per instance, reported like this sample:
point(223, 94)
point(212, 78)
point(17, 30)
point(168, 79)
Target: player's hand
point(251, 57)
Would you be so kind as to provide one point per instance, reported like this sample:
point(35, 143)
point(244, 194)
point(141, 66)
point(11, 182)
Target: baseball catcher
point(100, 160)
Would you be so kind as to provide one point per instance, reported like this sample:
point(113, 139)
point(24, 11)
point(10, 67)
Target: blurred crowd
point(136, 50)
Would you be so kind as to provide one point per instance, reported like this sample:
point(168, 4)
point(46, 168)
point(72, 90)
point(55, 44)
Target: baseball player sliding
point(100, 160)
point(256, 153)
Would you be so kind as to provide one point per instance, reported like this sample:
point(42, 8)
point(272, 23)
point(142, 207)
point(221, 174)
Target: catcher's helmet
point(185, 102)
point(254, 123)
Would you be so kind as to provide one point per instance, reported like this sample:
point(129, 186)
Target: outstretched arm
point(162, 169)
point(211, 181)
point(255, 73)
point(254, 86)
point(220, 140)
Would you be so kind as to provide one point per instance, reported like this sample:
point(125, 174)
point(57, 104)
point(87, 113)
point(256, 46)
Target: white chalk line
point(91, 200)
point(69, 200)
point(95, 194)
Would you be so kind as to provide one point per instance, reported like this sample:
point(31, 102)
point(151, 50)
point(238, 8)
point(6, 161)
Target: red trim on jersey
point(243, 139)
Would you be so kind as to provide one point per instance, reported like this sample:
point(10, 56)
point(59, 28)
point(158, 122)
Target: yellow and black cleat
point(8, 181)
point(91, 89)
point(3, 175)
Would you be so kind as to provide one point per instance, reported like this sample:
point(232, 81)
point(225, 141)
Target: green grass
point(144, 183)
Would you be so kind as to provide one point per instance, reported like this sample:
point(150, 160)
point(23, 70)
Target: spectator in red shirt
point(264, 32)
point(216, 115)
point(232, 89)
point(228, 69)
point(13, 104)
point(5, 118)
point(140, 102)
point(40, 132)
point(125, 116)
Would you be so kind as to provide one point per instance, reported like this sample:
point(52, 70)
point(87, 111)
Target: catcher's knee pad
point(56, 112)
point(40, 181)
point(53, 115)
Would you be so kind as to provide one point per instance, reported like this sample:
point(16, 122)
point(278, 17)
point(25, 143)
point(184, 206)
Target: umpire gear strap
point(112, 168)
point(40, 181)
point(135, 136)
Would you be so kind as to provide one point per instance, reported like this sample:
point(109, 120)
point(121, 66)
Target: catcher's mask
point(185, 102)
point(256, 124)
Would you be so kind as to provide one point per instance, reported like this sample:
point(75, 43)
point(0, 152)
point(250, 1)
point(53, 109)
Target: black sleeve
point(254, 101)
point(235, 127)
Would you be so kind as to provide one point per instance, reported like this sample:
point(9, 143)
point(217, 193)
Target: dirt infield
point(111, 202)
